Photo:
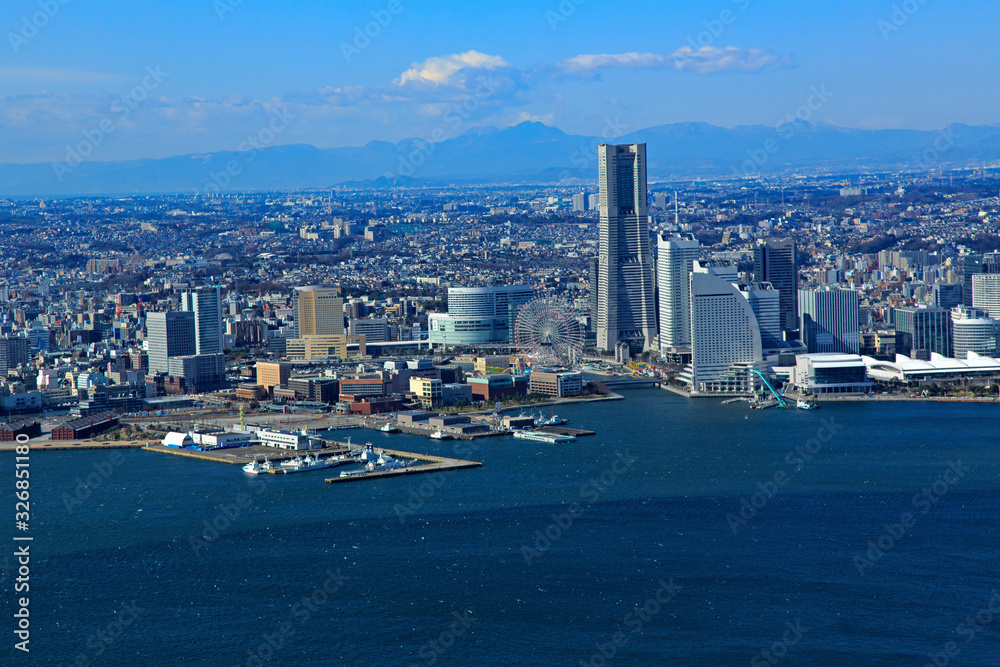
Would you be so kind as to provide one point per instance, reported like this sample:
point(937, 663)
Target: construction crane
point(782, 403)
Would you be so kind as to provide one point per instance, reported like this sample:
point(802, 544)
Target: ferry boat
point(554, 420)
point(550, 438)
point(440, 435)
point(389, 428)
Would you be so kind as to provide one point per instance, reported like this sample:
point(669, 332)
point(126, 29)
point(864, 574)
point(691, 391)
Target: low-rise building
point(561, 384)
point(832, 374)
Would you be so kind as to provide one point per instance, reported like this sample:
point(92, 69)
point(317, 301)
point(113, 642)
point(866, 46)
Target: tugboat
point(439, 435)
point(389, 428)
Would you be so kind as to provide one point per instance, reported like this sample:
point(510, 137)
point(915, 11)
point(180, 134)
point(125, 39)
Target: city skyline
point(330, 84)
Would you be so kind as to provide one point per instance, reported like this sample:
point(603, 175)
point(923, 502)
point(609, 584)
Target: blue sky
point(160, 78)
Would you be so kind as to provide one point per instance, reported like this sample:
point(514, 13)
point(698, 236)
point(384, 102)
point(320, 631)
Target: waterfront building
point(776, 262)
point(561, 384)
point(829, 321)
point(921, 332)
point(626, 311)
point(206, 304)
point(675, 258)
point(832, 374)
point(479, 315)
point(974, 331)
point(725, 336)
point(765, 301)
point(170, 334)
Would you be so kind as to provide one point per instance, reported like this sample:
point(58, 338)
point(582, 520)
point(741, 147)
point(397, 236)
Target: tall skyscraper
point(595, 270)
point(921, 332)
point(319, 311)
point(206, 304)
point(986, 293)
point(725, 336)
point(675, 258)
point(830, 321)
point(775, 262)
point(765, 302)
point(625, 310)
point(972, 265)
point(169, 335)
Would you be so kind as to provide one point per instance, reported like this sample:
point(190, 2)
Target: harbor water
point(683, 533)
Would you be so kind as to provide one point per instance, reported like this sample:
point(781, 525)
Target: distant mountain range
point(525, 153)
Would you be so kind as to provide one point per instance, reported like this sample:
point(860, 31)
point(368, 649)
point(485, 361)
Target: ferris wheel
point(548, 329)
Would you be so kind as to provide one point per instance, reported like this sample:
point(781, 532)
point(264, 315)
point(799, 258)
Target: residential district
point(360, 301)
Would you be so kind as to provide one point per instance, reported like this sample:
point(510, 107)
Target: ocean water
point(684, 533)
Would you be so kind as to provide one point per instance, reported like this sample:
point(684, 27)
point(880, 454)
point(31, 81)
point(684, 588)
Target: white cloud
point(713, 60)
point(706, 60)
point(442, 70)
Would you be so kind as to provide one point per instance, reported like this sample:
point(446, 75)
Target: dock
point(564, 430)
point(431, 464)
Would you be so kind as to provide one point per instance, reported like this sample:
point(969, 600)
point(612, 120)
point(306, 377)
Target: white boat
point(385, 462)
point(804, 405)
point(368, 454)
point(389, 428)
point(293, 463)
point(440, 435)
point(554, 420)
point(316, 463)
point(550, 438)
point(252, 468)
point(353, 473)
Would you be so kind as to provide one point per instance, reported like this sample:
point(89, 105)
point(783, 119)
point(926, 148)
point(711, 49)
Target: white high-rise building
point(765, 301)
point(206, 304)
point(974, 331)
point(675, 258)
point(829, 321)
point(725, 336)
point(625, 311)
point(986, 293)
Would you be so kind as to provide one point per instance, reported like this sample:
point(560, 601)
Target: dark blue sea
point(684, 533)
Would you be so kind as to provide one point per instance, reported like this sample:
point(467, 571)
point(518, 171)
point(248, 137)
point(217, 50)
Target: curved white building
point(974, 331)
point(725, 335)
point(479, 315)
